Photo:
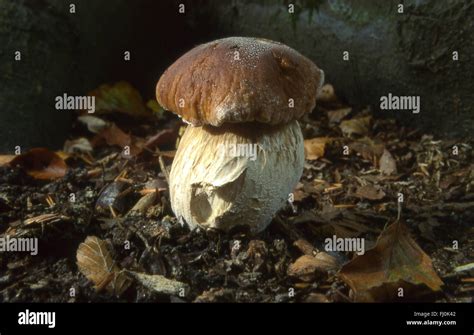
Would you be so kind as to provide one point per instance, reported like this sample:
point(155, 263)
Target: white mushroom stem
point(236, 175)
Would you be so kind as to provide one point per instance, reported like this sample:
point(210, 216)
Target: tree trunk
point(73, 53)
point(36, 62)
point(389, 52)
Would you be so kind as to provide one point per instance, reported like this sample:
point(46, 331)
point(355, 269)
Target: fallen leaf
point(306, 267)
point(356, 126)
point(336, 116)
point(95, 262)
point(94, 124)
point(368, 148)
point(314, 148)
point(156, 108)
point(370, 192)
point(41, 163)
point(113, 135)
point(6, 159)
point(395, 261)
point(299, 195)
point(80, 144)
point(63, 155)
point(120, 97)
point(387, 164)
point(143, 203)
point(305, 247)
point(160, 284)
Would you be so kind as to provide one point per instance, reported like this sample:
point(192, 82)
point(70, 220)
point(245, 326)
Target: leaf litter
point(106, 227)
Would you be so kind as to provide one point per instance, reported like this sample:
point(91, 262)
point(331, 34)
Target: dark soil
point(438, 209)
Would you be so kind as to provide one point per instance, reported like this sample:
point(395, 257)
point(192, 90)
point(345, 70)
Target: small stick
point(112, 211)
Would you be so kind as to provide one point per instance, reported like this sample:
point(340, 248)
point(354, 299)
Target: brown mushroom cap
point(240, 79)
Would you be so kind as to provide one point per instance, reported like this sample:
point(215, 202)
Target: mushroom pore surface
point(235, 175)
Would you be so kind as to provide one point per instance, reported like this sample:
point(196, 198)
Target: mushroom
point(242, 153)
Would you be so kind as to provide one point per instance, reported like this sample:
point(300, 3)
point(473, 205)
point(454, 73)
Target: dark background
point(402, 54)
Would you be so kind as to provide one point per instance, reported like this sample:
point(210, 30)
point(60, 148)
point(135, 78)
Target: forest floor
point(101, 214)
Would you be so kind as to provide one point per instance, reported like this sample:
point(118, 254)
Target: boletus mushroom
point(242, 153)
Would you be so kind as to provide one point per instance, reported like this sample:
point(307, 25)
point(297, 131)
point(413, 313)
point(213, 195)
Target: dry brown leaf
point(63, 155)
point(6, 159)
point(113, 135)
point(368, 149)
point(95, 262)
point(120, 97)
point(395, 261)
point(305, 247)
point(306, 267)
point(41, 163)
point(299, 195)
point(356, 126)
point(314, 148)
point(336, 116)
point(387, 164)
point(144, 203)
point(370, 192)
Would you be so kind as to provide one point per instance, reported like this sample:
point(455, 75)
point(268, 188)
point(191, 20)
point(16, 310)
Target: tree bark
point(46, 44)
point(403, 54)
point(73, 53)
